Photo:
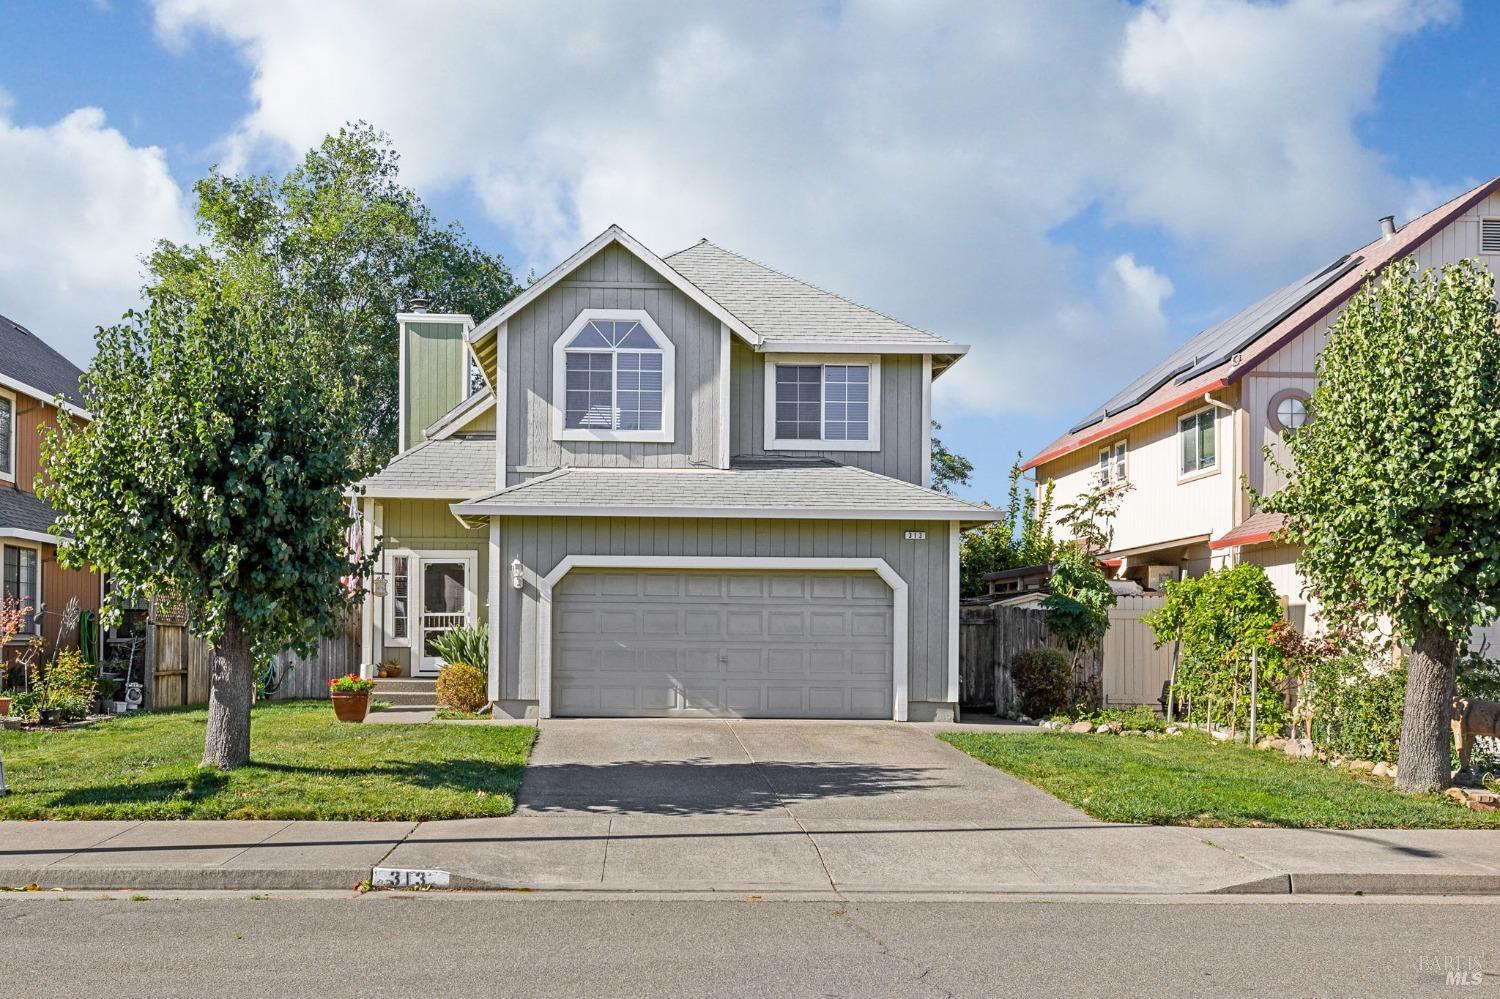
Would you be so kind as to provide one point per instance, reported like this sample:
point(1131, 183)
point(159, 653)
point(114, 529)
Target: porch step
point(407, 692)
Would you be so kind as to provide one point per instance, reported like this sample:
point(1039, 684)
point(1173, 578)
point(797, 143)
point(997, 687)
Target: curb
point(1367, 884)
point(185, 878)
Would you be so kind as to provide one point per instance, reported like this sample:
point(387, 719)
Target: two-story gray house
point(690, 486)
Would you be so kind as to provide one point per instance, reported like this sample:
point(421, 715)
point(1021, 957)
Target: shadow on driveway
point(708, 787)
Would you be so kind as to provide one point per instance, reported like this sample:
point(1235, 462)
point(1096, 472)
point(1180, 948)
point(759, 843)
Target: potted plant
point(4, 704)
point(350, 694)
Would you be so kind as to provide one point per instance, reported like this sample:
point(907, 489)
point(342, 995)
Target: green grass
point(1191, 780)
point(304, 764)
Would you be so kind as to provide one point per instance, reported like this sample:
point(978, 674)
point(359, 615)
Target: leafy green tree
point(213, 471)
point(1021, 537)
point(948, 469)
point(1220, 619)
point(351, 247)
point(1090, 519)
point(1078, 612)
point(1394, 485)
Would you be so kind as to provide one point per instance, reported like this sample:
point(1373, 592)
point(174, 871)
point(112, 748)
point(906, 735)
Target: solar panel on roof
point(1217, 344)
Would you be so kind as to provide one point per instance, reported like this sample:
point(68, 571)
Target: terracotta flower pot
point(4, 707)
point(351, 707)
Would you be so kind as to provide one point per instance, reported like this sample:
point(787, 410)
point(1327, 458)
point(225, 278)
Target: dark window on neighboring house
point(21, 582)
point(1199, 449)
point(7, 437)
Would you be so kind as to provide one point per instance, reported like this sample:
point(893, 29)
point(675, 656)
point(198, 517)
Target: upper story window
point(613, 378)
point(1112, 463)
point(1288, 410)
point(822, 403)
point(7, 436)
point(1196, 441)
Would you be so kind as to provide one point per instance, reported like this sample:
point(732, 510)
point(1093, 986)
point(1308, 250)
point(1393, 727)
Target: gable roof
point(789, 313)
point(767, 309)
point(29, 365)
point(790, 489)
point(483, 338)
point(1225, 352)
point(459, 416)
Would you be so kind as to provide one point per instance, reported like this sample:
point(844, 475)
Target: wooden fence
point(1129, 669)
point(181, 664)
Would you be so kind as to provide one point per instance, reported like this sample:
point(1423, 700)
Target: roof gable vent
point(1489, 235)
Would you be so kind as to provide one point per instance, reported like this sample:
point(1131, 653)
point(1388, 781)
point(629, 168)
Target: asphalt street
point(432, 944)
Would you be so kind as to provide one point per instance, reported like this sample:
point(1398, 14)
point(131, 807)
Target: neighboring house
point(32, 377)
point(691, 486)
point(1189, 432)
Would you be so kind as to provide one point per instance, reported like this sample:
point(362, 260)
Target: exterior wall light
point(515, 572)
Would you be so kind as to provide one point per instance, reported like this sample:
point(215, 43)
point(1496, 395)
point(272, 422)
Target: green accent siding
point(427, 525)
point(434, 375)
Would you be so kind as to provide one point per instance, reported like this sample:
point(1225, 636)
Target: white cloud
point(915, 157)
point(81, 206)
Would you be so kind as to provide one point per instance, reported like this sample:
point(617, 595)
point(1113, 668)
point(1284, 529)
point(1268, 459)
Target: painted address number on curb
point(402, 877)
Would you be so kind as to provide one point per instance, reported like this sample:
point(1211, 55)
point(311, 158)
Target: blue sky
point(1072, 188)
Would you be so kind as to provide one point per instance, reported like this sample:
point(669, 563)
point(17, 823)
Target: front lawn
point(303, 765)
point(1191, 780)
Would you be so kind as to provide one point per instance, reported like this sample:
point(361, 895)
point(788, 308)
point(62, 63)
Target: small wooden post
point(1254, 679)
point(1172, 683)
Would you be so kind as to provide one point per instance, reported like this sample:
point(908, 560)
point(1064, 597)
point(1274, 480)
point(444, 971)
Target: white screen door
point(446, 604)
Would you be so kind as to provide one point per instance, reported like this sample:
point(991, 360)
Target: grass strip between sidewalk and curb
point(1191, 780)
point(304, 764)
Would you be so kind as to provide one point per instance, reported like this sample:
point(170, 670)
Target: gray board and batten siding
point(541, 543)
point(612, 279)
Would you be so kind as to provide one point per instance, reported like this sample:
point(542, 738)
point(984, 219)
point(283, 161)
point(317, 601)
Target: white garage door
point(736, 644)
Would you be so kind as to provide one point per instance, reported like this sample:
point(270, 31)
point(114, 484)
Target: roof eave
point(471, 508)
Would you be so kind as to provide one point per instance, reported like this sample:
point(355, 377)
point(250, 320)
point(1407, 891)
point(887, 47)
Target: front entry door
point(445, 589)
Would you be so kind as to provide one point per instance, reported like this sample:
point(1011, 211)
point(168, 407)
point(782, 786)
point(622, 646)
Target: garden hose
point(88, 638)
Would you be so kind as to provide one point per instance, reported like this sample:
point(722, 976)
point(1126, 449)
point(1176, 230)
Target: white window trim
point(391, 554)
point(769, 378)
point(14, 433)
point(1218, 438)
point(561, 432)
point(36, 611)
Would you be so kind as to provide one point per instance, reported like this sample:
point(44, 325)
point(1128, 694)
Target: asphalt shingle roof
point(762, 489)
point(455, 467)
point(22, 511)
point(24, 357)
point(782, 308)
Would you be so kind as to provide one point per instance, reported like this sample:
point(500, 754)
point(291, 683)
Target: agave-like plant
point(467, 644)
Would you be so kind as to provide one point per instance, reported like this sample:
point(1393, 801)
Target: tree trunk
point(226, 743)
point(1423, 764)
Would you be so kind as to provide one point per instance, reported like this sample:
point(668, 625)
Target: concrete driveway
point(726, 805)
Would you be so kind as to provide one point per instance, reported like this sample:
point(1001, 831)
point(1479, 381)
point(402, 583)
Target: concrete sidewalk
point(763, 853)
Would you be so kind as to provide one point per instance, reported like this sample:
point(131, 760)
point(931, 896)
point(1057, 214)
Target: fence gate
point(1134, 669)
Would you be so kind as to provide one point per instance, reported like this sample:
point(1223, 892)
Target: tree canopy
point(1393, 487)
point(948, 468)
point(214, 467)
point(349, 246)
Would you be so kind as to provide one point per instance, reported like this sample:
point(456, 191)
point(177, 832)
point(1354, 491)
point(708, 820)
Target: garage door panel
point(786, 624)
point(787, 587)
point(741, 644)
point(661, 622)
point(703, 586)
point(745, 585)
point(745, 624)
point(744, 661)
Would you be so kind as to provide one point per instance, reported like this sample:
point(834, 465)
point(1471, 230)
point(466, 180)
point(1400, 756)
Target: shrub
point(1221, 618)
point(1356, 713)
point(66, 686)
point(467, 644)
point(1043, 678)
point(462, 687)
point(1140, 718)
